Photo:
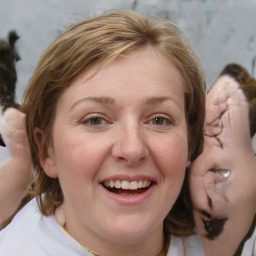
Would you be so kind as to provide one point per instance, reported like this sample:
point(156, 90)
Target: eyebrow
point(101, 100)
point(104, 100)
point(156, 100)
point(111, 101)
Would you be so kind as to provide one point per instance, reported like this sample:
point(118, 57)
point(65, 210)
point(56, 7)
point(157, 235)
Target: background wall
point(220, 31)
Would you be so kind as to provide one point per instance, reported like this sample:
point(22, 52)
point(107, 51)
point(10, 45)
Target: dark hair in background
point(8, 76)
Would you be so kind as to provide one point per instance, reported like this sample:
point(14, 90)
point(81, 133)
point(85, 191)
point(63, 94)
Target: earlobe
point(188, 164)
point(46, 156)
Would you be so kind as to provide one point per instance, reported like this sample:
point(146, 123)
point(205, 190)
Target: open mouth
point(127, 188)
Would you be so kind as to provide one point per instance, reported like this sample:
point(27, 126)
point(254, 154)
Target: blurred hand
point(223, 177)
point(14, 134)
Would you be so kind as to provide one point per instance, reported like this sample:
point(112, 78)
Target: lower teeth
point(124, 192)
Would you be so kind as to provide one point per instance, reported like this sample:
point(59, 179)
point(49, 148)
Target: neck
point(149, 246)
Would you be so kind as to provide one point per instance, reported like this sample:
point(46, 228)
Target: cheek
point(77, 167)
point(172, 160)
point(172, 156)
point(79, 155)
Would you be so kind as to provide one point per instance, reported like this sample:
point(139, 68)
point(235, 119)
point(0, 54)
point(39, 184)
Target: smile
point(125, 187)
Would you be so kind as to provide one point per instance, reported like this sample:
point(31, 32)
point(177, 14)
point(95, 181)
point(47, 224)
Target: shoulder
point(192, 246)
point(32, 234)
point(250, 245)
point(18, 236)
point(185, 246)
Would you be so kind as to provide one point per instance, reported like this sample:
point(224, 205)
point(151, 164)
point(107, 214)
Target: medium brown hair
point(98, 42)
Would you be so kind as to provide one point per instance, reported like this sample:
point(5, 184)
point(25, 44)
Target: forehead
point(141, 73)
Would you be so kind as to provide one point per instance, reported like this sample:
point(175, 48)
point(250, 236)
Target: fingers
point(216, 107)
point(13, 131)
point(223, 83)
point(12, 123)
point(235, 121)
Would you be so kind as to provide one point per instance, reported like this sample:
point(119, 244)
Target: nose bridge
point(130, 144)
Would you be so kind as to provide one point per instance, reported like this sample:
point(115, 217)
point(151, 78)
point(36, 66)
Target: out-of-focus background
point(220, 31)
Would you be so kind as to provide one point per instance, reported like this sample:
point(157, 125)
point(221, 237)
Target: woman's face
point(120, 150)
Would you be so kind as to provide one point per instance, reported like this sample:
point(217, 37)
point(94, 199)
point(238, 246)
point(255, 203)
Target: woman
point(115, 99)
point(115, 114)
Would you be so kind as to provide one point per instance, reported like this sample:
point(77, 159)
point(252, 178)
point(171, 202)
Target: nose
point(130, 146)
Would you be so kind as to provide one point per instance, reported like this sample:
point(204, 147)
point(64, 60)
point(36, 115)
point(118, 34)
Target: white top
point(32, 234)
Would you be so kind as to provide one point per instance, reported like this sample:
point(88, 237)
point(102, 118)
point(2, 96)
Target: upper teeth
point(124, 184)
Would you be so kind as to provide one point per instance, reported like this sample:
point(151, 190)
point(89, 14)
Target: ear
point(188, 159)
point(188, 164)
point(46, 156)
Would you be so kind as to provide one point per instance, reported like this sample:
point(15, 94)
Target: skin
point(227, 163)
point(15, 172)
point(127, 121)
